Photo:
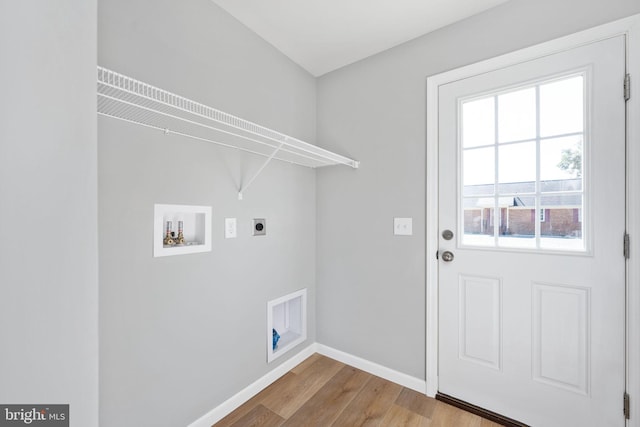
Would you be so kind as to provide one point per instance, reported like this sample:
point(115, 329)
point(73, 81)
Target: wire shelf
point(131, 100)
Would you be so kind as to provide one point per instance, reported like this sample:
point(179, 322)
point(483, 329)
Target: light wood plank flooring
point(323, 392)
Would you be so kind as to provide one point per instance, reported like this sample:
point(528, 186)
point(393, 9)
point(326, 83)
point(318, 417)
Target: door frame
point(630, 27)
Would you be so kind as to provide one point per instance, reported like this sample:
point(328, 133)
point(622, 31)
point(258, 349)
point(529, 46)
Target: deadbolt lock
point(447, 234)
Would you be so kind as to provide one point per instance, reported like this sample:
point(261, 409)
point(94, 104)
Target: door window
point(523, 167)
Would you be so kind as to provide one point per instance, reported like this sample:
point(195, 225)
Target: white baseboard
point(374, 368)
point(228, 406)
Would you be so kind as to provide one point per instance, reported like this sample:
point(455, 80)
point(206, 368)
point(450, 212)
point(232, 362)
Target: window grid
point(494, 189)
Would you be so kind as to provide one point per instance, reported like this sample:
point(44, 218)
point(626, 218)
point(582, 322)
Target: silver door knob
point(447, 256)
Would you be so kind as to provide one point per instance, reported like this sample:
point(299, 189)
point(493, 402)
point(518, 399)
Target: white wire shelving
point(134, 101)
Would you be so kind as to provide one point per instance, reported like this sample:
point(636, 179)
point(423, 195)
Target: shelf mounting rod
point(259, 171)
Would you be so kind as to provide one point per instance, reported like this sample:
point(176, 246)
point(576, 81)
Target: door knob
point(447, 256)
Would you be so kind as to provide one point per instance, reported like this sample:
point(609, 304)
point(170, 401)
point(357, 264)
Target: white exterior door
point(532, 187)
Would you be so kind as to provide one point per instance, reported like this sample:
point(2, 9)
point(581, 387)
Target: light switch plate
point(230, 228)
point(403, 226)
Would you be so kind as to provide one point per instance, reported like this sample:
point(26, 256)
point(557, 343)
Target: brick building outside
point(559, 209)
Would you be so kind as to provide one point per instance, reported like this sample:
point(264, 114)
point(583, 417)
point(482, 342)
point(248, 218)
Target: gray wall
point(371, 285)
point(48, 206)
point(179, 335)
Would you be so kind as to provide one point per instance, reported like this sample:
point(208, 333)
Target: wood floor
point(324, 392)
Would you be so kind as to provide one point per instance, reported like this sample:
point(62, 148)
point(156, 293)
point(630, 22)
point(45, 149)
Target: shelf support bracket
point(264, 165)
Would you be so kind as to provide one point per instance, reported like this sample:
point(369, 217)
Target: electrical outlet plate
point(259, 227)
point(230, 228)
point(403, 226)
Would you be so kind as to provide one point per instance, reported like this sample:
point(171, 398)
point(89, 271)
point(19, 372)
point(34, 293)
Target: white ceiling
point(323, 35)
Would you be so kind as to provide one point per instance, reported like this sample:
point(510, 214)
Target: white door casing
point(485, 291)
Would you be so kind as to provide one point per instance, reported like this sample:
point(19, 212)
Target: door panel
point(532, 184)
point(561, 347)
point(480, 326)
